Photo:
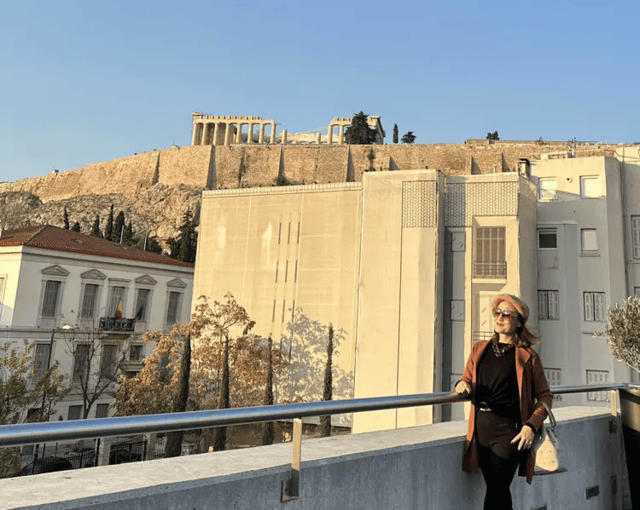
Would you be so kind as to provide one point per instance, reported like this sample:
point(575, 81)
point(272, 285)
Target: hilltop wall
point(244, 165)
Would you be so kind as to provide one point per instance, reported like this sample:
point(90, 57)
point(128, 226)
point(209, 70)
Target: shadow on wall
point(303, 377)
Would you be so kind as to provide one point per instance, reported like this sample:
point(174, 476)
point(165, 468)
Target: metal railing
point(29, 433)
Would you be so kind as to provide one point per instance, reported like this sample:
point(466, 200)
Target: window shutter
point(554, 313)
point(588, 306)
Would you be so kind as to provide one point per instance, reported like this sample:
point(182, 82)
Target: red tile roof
point(59, 239)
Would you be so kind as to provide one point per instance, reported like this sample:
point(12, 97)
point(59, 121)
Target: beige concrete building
point(404, 262)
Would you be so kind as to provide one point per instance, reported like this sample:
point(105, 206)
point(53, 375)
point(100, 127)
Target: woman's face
point(505, 323)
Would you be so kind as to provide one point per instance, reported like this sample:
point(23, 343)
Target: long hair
point(523, 337)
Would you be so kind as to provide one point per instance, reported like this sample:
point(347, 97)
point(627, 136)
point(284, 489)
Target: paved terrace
point(415, 468)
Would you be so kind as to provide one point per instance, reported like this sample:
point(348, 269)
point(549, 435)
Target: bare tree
point(98, 361)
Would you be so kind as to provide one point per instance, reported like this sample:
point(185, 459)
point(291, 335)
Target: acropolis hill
point(155, 188)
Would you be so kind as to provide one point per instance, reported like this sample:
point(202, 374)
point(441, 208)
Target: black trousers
point(499, 459)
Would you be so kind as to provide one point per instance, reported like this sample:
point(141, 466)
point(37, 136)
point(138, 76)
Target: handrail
point(30, 433)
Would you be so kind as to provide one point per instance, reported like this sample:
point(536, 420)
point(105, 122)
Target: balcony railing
point(489, 269)
point(111, 324)
point(29, 433)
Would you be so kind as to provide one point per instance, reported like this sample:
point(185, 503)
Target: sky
point(89, 81)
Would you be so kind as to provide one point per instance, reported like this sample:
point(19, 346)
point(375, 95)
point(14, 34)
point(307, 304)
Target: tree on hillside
point(127, 235)
point(359, 132)
point(76, 227)
point(98, 363)
point(325, 421)
point(408, 137)
point(28, 392)
point(622, 332)
point(118, 228)
point(493, 136)
point(108, 228)
point(395, 133)
point(184, 246)
point(95, 230)
point(173, 447)
point(65, 219)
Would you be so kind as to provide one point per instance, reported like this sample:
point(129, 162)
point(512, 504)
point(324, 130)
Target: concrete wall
point(401, 469)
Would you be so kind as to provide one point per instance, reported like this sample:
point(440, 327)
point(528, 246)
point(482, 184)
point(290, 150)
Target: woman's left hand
point(524, 438)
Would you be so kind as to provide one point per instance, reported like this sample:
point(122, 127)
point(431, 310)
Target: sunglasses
point(506, 314)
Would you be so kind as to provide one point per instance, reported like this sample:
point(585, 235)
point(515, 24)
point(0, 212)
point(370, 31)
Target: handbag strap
point(552, 418)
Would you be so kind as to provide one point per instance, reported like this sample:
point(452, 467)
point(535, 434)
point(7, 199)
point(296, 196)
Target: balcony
point(493, 270)
point(117, 325)
point(394, 469)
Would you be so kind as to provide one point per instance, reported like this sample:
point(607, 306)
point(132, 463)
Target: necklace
point(500, 351)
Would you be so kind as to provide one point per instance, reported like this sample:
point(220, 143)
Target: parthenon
point(227, 130)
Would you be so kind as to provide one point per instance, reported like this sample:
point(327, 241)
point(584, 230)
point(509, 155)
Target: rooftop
point(59, 239)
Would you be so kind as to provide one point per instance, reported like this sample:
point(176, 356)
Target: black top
point(497, 383)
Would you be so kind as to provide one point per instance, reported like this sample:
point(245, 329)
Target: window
point(108, 361)
point(80, 360)
point(102, 410)
point(547, 188)
point(590, 186)
point(598, 377)
point(42, 359)
point(89, 299)
point(589, 240)
point(116, 301)
point(490, 253)
point(595, 308)
point(50, 303)
point(548, 305)
point(135, 352)
point(142, 302)
point(554, 379)
point(173, 307)
point(635, 228)
point(74, 413)
point(547, 239)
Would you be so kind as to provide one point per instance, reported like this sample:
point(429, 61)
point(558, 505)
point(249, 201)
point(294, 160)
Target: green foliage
point(127, 235)
point(76, 227)
point(95, 230)
point(118, 228)
point(493, 136)
point(108, 228)
point(174, 439)
point(395, 133)
point(623, 332)
point(359, 132)
point(65, 219)
point(325, 421)
point(185, 245)
point(408, 137)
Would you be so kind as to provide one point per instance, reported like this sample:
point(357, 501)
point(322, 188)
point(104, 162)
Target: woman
point(507, 385)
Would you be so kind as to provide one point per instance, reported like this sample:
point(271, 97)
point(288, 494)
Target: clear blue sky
point(93, 80)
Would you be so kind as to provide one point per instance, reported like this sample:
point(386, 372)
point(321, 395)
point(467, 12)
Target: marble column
point(340, 135)
point(194, 135)
point(273, 132)
point(284, 137)
point(227, 134)
point(250, 133)
point(239, 133)
point(330, 135)
point(216, 133)
point(319, 138)
point(261, 135)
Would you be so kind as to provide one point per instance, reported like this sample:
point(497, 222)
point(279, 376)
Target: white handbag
point(546, 448)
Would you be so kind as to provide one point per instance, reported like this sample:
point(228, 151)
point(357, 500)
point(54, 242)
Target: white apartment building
point(56, 284)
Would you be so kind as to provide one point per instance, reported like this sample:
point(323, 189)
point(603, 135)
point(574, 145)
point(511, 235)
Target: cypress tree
point(173, 447)
point(325, 421)
point(66, 219)
point(108, 228)
point(95, 230)
point(118, 229)
point(76, 227)
point(127, 237)
point(267, 427)
point(220, 435)
point(395, 133)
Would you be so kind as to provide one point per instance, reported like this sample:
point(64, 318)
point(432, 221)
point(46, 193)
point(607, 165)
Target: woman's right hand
point(463, 387)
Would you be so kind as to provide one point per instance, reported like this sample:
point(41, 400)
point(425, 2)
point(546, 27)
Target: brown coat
point(533, 388)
